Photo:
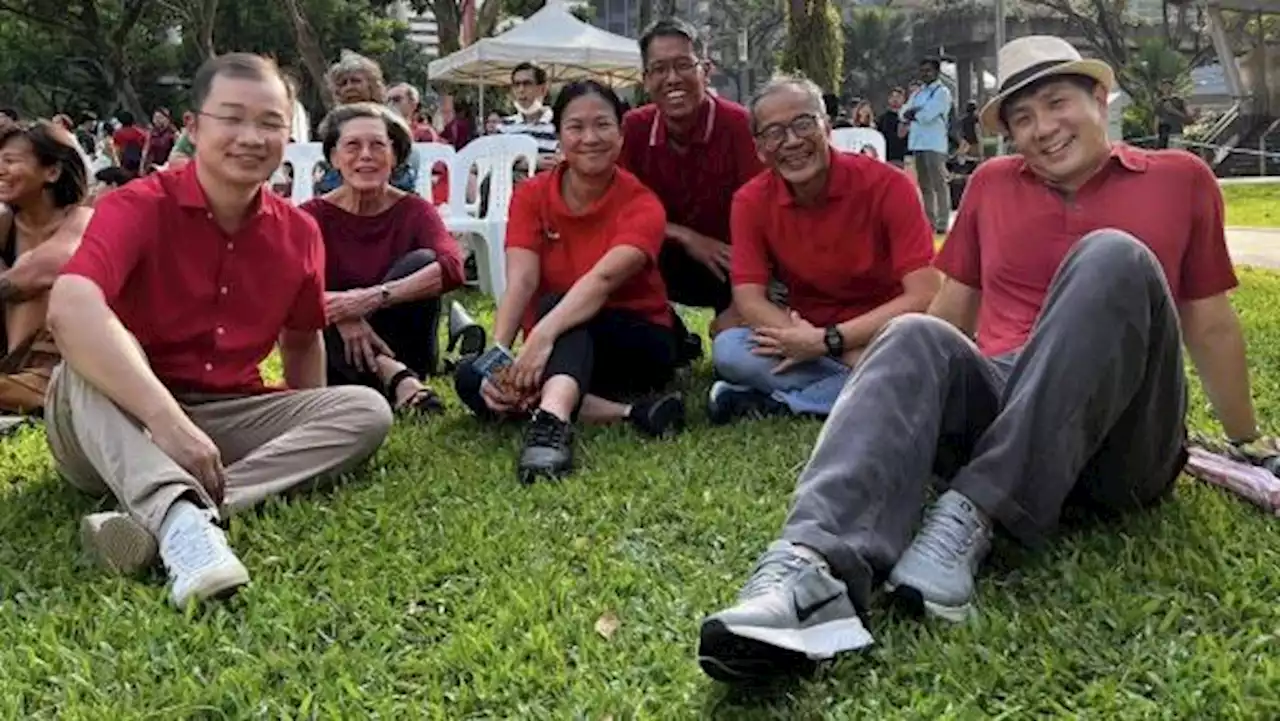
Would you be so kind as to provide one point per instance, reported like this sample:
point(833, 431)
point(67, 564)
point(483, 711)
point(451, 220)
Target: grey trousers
point(931, 171)
point(1091, 408)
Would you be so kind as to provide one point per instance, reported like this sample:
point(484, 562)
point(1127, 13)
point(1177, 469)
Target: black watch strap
point(834, 341)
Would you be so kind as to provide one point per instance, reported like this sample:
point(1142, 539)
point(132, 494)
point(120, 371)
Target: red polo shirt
point(842, 257)
point(569, 245)
point(207, 306)
point(696, 184)
point(1013, 232)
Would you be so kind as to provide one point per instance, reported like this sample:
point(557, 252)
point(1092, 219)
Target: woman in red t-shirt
point(388, 260)
point(582, 277)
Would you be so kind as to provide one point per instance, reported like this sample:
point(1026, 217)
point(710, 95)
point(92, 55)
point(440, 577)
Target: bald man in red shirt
point(183, 284)
point(1081, 267)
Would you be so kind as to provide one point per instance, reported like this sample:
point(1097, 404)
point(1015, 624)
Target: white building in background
point(423, 29)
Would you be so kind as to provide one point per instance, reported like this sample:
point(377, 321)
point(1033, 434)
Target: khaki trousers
point(270, 443)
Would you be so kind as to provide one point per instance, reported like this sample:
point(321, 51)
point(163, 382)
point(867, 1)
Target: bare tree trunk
point(312, 55)
point(204, 40)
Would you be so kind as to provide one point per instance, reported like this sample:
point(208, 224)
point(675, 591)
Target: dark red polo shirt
point(1013, 232)
point(360, 249)
point(570, 244)
point(843, 257)
point(696, 185)
point(207, 306)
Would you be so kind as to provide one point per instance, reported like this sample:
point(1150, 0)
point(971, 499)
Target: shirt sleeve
point(908, 231)
point(1206, 267)
point(124, 226)
point(432, 235)
point(307, 312)
point(961, 255)
point(643, 225)
point(748, 252)
point(748, 160)
point(524, 222)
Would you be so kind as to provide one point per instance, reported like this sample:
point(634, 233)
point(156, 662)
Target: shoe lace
point(948, 534)
point(192, 546)
point(773, 568)
point(547, 431)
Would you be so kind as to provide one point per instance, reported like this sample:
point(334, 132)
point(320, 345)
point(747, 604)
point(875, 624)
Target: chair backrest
point(494, 157)
point(428, 156)
point(303, 157)
point(859, 140)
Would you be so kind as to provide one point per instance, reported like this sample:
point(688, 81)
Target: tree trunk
point(312, 55)
point(448, 25)
point(204, 39)
point(645, 16)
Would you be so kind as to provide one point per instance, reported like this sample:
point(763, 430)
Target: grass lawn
point(433, 586)
point(1253, 205)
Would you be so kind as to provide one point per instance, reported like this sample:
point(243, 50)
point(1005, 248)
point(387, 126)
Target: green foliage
point(877, 54)
point(814, 45)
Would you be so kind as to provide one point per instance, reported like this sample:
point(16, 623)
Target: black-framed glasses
point(771, 137)
point(682, 66)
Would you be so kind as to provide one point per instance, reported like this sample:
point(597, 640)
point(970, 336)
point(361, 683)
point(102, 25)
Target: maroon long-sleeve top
point(360, 249)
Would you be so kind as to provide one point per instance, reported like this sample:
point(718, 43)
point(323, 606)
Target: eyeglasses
point(233, 122)
point(773, 136)
point(682, 66)
point(395, 98)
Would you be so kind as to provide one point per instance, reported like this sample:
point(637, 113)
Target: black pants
point(616, 354)
point(690, 282)
point(410, 329)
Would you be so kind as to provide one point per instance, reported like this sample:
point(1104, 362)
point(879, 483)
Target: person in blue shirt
point(928, 113)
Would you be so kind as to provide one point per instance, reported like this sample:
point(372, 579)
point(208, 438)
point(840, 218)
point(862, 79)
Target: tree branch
point(22, 12)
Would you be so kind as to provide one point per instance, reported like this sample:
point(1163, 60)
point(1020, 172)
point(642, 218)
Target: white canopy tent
point(566, 47)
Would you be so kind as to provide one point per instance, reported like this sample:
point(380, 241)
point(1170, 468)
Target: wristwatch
point(834, 341)
point(384, 294)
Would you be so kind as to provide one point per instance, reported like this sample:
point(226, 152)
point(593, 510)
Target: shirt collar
point(544, 117)
point(840, 179)
point(1122, 154)
point(190, 194)
point(701, 135)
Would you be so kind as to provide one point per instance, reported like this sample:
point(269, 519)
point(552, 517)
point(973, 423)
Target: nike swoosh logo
point(804, 612)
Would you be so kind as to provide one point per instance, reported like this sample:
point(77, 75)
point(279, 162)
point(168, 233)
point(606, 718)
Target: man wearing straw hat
point(1080, 267)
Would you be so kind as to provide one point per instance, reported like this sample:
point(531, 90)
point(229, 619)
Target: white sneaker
point(118, 542)
point(201, 565)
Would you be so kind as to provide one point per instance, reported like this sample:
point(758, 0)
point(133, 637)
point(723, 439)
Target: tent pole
point(481, 116)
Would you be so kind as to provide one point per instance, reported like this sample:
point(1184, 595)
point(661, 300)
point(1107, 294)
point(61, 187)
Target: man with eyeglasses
point(694, 150)
point(532, 116)
point(848, 237)
point(183, 284)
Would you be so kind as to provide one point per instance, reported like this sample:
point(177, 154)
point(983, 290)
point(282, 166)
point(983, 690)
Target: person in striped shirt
point(532, 117)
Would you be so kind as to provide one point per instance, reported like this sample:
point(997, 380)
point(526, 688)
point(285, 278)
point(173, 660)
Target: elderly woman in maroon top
point(388, 260)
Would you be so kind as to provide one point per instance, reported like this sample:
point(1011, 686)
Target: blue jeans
point(809, 388)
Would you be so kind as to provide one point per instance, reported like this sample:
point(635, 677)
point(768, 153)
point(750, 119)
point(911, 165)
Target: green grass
point(1253, 205)
point(431, 585)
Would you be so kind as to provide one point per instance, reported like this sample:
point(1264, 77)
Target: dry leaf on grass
point(607, 625)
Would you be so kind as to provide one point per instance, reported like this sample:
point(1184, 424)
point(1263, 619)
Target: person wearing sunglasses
point(848, 237)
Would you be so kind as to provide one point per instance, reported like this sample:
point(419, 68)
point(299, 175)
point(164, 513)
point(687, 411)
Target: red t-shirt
point(207, 306)
point(696, 184)
point(569, 245)
point(360, 249)
point(129, 137)
point(843, 257)
point(1013, 232)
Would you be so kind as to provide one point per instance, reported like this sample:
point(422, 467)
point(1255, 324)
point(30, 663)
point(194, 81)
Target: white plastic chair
point(303, 157)
point(427, 156)
point(494, 157)
point(859, 140)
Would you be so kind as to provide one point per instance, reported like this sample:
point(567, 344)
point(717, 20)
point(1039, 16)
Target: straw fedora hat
point(1024, 61)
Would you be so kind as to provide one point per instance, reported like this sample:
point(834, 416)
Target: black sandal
point(424, 400)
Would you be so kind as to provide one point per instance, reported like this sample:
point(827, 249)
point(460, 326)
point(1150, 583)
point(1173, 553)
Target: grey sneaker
point(200, 563)
point(936, 572)
point(118, 542)
point(791, 614)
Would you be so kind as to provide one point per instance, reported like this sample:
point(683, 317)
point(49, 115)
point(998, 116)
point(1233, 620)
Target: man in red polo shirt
point(183, 284)
point(694, 151)
point(1081, 267)
point(848, 237)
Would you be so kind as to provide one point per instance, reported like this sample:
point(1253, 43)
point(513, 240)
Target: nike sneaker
point(791, 615)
